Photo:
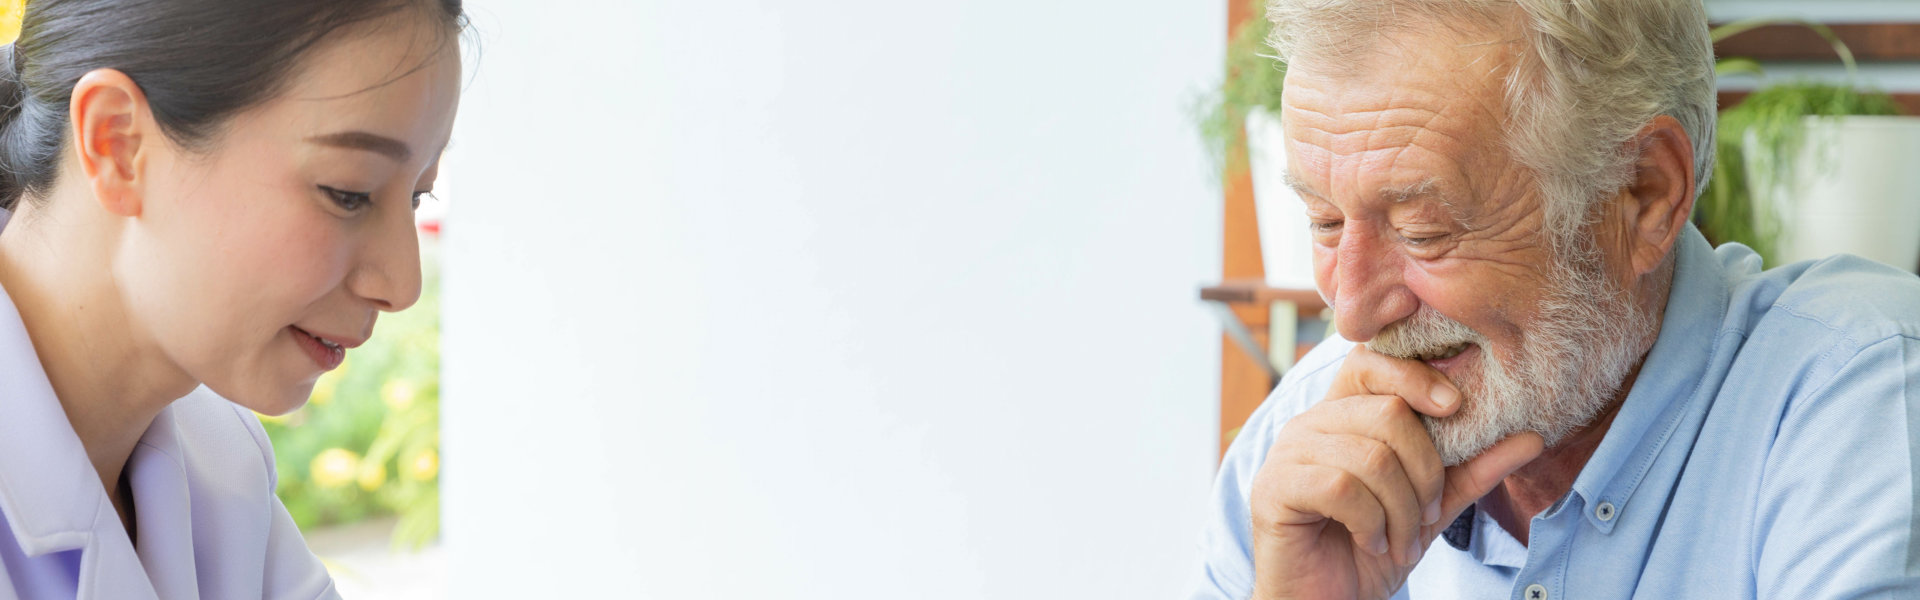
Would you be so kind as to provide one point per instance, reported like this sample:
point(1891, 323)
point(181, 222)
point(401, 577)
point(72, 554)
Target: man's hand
point(1353, 491)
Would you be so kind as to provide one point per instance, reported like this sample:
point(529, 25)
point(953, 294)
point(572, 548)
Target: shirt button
point(1536, 592)
point(1605, 511)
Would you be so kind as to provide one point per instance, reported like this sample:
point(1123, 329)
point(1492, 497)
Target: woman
point(211, 193)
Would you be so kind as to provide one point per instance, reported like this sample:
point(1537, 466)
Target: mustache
point(1426, 331)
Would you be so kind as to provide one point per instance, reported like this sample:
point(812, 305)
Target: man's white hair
point(1588, 75)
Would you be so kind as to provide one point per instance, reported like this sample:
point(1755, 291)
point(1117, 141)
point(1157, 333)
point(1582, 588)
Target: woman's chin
point(279, 409)
point(273, 402)
point(286, 402)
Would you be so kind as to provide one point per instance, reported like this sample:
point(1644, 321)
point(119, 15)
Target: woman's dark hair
point(199, 62)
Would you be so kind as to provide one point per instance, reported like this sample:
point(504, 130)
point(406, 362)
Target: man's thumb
point(1467, 483)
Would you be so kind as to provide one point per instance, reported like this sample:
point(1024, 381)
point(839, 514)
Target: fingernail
point(1444, 395)
point(1432, 513)
point(1413, 553)
point(1380, 544)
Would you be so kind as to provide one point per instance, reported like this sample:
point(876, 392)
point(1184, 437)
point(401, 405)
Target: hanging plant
point(1253, 80)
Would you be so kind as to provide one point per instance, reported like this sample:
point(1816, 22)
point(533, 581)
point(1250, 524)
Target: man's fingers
point(1468, 482)
point(1426, 389)
point(1390, 420)
point(1328, 493)
point(1377, 466)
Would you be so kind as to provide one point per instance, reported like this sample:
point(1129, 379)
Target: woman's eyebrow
point(361, 140)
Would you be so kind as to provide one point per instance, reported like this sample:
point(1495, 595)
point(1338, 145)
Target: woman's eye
point(418, 195)
point(350, 201)
point(1323, 226)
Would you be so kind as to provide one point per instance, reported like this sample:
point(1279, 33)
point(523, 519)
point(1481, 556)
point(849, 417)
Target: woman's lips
point(327, 357)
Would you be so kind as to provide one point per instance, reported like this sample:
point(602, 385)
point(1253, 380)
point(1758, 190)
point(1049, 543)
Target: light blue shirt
point(1766, 450)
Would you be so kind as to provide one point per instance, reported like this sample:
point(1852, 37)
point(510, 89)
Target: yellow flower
point(372, 476)
point(398, 394)
point(423, 466)
point(11, 11)
point(334, 467)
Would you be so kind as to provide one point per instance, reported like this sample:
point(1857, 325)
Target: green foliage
point(1735, 205)
point(1253, 80)
point(367, 443)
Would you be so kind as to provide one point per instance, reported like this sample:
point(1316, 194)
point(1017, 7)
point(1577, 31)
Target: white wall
point(830, 299)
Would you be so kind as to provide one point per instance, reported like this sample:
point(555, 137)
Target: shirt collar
point(158, 478)
point(48, 490)
point(1669, 380)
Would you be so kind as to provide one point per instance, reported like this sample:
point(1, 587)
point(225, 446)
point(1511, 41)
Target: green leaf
point(1748, 24)
point(1732, 66)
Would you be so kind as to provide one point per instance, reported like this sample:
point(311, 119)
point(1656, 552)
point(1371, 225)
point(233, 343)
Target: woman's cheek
point(303, 251)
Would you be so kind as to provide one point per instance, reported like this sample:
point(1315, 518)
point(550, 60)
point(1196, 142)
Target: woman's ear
point(111, 127)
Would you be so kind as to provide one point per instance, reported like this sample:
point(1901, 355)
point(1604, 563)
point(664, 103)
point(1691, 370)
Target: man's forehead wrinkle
point(1439, 130)
point(1371, 161)
point(1368, 140)
point(1413, 121)
point(1371, 116)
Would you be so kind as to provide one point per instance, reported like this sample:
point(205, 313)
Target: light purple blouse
point(202, 479)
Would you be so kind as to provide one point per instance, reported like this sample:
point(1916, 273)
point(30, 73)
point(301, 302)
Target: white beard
point(1586, 339)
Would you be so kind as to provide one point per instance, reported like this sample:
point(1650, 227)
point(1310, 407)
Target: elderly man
point(1545, 367)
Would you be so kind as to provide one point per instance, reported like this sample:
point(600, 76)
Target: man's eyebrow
point(1428, 188)
point(1393, 194)
point(1299, 187)
point(361, 140)
point(1424, 187)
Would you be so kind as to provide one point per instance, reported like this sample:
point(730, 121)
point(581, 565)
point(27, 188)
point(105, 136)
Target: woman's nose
point(389, 270)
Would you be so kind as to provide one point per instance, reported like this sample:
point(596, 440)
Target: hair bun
point(12, 98)
point(10, 88)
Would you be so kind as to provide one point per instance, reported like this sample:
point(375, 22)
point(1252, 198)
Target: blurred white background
point(830, 299)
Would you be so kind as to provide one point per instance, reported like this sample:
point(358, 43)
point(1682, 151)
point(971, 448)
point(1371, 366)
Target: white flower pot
point(1855, 189)
point(1284, 244)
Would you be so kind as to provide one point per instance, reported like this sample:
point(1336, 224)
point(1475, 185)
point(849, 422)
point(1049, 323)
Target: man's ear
point(1659, 199)
point(112, 127)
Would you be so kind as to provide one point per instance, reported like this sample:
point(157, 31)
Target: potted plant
point(1246, 106)
point(1807, 170)
point(1252, 83)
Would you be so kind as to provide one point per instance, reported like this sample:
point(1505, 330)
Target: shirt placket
point(1549, 540)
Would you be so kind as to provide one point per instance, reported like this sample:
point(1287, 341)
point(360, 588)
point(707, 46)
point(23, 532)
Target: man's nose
point(1371, 292)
